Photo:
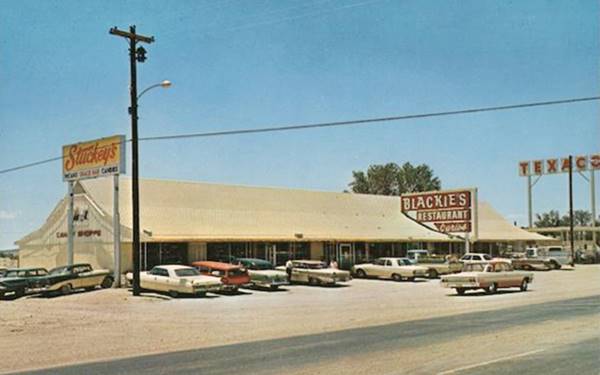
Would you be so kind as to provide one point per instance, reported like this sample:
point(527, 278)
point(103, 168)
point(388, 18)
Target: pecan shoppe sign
point(100, 157)
point(559, 165)
point(449, 211)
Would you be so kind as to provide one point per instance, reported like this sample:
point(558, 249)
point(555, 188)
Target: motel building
point(181, 222)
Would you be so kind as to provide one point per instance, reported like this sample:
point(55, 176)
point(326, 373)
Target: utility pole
point(135, 55)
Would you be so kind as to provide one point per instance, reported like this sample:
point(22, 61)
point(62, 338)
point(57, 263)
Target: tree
point(553, 219)
point(548, 219)
point(391, 179)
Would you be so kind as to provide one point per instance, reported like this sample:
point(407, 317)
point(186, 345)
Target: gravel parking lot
point(106, 324)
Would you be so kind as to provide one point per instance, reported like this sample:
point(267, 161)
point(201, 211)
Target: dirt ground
point(38, 332)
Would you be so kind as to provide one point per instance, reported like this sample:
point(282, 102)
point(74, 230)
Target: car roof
point(215, 265)
point(172, 266)
point(253, 260)
point(25, 269)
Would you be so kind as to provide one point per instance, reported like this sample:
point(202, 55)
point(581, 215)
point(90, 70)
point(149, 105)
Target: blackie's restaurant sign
point(449, 211)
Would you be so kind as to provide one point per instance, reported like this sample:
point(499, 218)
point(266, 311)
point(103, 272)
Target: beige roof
point(494, 227)
point(192, 211)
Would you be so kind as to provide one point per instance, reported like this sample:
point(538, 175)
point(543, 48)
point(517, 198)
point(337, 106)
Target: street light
point(164, 84)
point(135, 177)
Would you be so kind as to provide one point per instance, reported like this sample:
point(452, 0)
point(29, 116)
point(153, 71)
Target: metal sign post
point(70, 230)
point(593, 203)
point(571, 231)
point(116, 232)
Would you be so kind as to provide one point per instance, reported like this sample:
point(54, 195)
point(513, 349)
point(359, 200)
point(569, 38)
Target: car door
point(300, 273)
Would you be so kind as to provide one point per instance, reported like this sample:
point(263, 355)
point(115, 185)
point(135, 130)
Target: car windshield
point(14, 274)
point(58, 271)
point(487, 257)
point(251, 265)
point(183, 272)
point(474, 267)
point(404, 262)
point(236, 272)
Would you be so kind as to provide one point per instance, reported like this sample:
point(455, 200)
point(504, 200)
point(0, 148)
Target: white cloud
point(7, 215)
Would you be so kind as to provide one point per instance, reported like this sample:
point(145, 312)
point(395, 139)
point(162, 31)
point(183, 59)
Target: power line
point(369, 121)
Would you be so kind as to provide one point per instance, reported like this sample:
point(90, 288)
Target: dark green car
point(17, 282)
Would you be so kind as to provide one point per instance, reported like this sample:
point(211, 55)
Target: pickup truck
point(554, 256)
point(437, 266)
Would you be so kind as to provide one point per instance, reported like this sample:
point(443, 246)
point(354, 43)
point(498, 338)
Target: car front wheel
point(433, 274)
point(361, 274)
point(524, 285)
point(460, 291)
point(107, 282)
point(396, 277)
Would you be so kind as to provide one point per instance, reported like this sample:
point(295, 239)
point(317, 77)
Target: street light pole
point(134, 56)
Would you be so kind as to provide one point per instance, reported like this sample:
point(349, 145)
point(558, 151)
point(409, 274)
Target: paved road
point(292, 355)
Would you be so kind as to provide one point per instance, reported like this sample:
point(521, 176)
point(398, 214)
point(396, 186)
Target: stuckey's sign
point(100, 157)
point(449, 211)
point(559, 165)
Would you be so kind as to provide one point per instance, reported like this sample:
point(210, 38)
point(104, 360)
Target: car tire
point(274, 287)
point(66, 289)
point(19, 293)
point(433, 274)
point(556, 265)
point(524, 285)
point(460, 291)
point(492, 289)
point(396, 277)
point(173, 293)
point(201, 294)
point(107, 282)
point(313, 281)
point(361, 274)
point(410, 278)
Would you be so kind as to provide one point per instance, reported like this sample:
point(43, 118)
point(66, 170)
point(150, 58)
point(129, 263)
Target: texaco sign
point(448, 211)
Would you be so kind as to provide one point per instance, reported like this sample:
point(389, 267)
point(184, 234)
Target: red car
point(232, 276)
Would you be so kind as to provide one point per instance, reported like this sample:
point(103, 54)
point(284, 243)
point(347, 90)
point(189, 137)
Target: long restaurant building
point(186, 221)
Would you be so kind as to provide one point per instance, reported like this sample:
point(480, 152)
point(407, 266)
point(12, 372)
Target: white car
point(489, 277)
point(469, 258)
point(176, 279)
point(390, 268)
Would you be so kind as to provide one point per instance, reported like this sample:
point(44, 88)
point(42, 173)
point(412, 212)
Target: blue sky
point(243, 64)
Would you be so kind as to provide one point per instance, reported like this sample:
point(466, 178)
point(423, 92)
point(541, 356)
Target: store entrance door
point(345, 256)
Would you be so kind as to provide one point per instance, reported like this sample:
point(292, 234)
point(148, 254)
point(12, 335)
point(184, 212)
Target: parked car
point(315, 272)
point(2, 271)
point(390, 268)
point(176, 280)
point(65, 279)
point(520, 261)
point(475, 258)
point(557, 256)
point(17, 282)
point(263, 274)
point(415, 254)
point(489, 277)
point(232, 276)
point(437, 266)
